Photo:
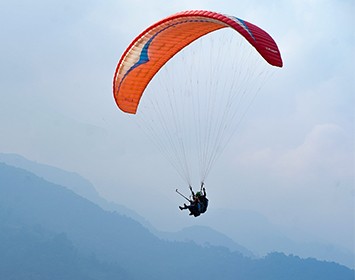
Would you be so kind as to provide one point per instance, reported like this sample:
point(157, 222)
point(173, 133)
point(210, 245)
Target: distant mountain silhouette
point(34, 253)
point(73, 224)
point(84, 188)
point(70, 180)
point(260, 236)
point(254, 231)
point(74, 182)
point(205, 236)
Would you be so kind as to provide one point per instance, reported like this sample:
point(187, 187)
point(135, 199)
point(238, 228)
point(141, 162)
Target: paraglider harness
point(198, 206)
point(202, 204)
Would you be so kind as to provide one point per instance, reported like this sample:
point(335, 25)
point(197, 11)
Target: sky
point(292, 160)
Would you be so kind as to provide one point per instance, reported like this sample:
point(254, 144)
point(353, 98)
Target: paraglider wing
point(161, 41)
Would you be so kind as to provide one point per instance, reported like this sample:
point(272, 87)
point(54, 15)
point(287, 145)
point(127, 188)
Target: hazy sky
point(292, 161)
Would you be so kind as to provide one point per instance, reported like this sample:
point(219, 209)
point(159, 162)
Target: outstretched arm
point(193, 194)
point(203, 188)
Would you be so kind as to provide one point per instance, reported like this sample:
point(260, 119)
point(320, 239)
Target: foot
point(181, 208)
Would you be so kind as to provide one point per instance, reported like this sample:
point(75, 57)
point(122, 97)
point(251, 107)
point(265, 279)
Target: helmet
point(198, 194)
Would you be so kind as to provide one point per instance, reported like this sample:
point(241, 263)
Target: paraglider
point(192, 118)
point(198, 203)
point(162, 40)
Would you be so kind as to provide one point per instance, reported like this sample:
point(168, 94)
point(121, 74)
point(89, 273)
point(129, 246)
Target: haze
point(292, 161)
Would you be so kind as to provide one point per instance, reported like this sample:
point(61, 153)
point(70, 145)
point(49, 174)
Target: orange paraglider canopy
point(161, 41)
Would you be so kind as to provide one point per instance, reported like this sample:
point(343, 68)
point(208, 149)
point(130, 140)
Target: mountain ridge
point(254, 235)
point(27, 200)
